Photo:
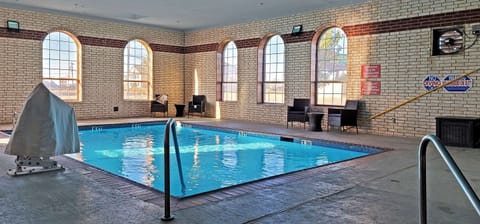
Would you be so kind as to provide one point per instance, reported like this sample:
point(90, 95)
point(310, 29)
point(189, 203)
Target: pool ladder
point(422, 176)
point(170, 126)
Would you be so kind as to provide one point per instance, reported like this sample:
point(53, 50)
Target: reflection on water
point(210, 159)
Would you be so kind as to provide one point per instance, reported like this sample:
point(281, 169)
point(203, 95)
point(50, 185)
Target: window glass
point(274, 71)
point(136, 71)
point(60, 65)
point(332, 67)
point(229, 72)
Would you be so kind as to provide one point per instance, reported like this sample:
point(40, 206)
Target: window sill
point(137, 100)
point(72, 101)
point(228, 101)
point(272, 104)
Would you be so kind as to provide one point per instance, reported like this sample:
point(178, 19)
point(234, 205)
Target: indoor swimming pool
point(211, 158)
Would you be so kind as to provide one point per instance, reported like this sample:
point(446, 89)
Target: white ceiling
point(185, 15)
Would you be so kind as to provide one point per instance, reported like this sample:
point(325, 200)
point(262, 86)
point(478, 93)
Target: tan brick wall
point(102, 67)
point(203, 70)
point(370, 11)
point(169, 78)
point(19, 74)
point(405, 57)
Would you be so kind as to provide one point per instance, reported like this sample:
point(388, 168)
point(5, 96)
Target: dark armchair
point(298, 112)
point(197, 105)
point(346, 116)
point(159, 107)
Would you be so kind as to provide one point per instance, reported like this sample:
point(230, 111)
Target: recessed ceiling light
point(77, 5)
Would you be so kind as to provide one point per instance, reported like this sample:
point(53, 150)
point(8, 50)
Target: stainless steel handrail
point(173, 126)
point(170, 125)
point(422, 175)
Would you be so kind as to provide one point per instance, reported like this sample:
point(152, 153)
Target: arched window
point(331, 67)
point(274, 71)
point(229, 72)
point(61, 65)
point(137, 71)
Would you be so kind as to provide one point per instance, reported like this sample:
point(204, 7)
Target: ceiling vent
point(448, 41)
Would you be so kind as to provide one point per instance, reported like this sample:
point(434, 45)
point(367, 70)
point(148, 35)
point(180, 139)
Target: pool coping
point(151, 195)
point(154, 196)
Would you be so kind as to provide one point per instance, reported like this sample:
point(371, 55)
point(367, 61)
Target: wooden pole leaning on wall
point(423, 94)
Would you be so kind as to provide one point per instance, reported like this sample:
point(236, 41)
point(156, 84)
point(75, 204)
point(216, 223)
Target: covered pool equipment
point(46, 127)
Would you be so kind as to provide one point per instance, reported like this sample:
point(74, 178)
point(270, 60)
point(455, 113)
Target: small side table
point(180, 108)
point(315, 119)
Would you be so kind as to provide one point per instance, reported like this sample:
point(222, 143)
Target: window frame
point(262, 68)
point(221, 73)
point(315, 81)
point(76, 76)
point(149, 66)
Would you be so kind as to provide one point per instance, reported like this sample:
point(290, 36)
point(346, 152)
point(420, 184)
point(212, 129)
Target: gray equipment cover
point(46, 127)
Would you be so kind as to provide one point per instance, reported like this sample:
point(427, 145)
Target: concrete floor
point(381, 188)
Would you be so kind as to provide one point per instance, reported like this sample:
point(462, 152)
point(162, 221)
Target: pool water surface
point(211, 159)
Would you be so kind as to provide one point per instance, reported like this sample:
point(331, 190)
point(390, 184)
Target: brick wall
point(102, 46)
point(395, 34)
point(203, 70)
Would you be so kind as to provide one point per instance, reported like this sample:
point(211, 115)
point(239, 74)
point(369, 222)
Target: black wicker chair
point(346, 116)
point(197, 105)
point(158, 107)
point(298, 112)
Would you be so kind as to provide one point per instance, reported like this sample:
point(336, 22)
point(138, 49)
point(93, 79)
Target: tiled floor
point(376, 189)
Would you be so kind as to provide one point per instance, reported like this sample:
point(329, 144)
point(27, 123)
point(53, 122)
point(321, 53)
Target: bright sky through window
point(136, 71)
point(229, 70)
point(61, 65)
point(274, 71)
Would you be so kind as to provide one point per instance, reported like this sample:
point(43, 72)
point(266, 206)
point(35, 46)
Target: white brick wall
point(404, 56)
point(102, 67)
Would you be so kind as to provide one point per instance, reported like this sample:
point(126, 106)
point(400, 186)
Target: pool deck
point(380, 188)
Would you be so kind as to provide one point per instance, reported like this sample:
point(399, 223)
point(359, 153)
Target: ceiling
point(184, 15)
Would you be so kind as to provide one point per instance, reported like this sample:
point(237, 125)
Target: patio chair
point(159, 105)
point(346, 116)
point(298, 112)
point(197, 105)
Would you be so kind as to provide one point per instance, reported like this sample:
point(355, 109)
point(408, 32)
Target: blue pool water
point(211, 159)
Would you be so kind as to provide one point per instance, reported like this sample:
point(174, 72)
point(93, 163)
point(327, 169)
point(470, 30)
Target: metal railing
point(170, 126)
point(422, 175)
point(401, 104)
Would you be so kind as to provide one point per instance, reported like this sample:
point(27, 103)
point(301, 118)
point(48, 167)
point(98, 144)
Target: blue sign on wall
point(431, 82)
point(460, 86)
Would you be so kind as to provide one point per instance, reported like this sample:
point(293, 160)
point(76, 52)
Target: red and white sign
point(370, 88)
point(371, 71)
